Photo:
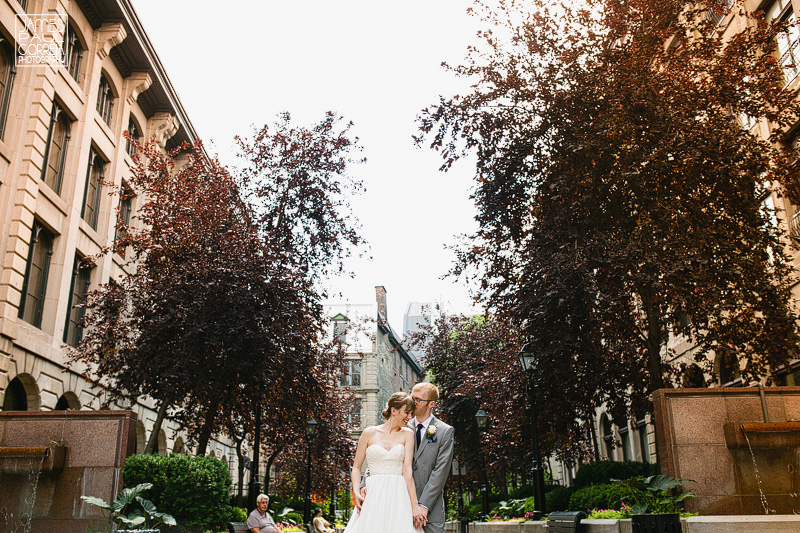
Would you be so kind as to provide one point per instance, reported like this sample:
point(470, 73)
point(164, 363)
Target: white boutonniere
point(431, 432)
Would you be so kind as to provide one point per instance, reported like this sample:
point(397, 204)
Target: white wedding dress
point(387, 507)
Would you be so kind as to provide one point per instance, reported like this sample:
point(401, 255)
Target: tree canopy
point(217, 311)
point(620, 199)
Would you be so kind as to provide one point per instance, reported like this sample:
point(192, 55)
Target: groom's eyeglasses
point(417, 400)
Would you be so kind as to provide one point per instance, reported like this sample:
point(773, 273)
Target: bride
point(391, 499)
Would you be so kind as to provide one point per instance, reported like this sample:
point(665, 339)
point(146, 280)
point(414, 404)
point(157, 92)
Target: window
point(727, 367)
point(644, 442)
point(91, 195)
point(105, 100)
point(15, 399)
point(608, 437)
point(340, 328)
point(36, 271)
point(133, 131)
point(719, 10)
point(354, 417)
point(72, 52)
point(56, 149)
point(125, 207)
point(81, 278)
point(625, 436)
point(8, 71)
point(351, 377)
point(788, 52)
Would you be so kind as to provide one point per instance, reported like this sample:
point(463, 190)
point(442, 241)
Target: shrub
point(239, 514)
point(509, 509)
point(558, 499)
point(195, 490)
point(604, 471)
point(474, 511)
point(523, 491)
point(293, 518)
point(605, 496)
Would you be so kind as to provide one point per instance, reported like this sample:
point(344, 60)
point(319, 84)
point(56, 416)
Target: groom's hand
point(421, 518)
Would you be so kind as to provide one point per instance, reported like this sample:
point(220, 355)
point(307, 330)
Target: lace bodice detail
point(383, 461)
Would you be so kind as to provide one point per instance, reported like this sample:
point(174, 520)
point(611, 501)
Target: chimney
point(380, 297)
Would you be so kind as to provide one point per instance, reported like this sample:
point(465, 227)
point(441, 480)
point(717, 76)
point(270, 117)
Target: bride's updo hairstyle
point(398, 400)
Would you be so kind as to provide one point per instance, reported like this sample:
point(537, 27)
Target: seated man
point(259, 520)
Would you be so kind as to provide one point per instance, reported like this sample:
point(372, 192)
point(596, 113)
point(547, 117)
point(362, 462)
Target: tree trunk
point(162, 414)
point(240, 484)
point(208, 425)
point(654, 338)
point(270, 460)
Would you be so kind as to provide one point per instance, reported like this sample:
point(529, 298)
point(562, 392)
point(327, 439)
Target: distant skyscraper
point(417, 315)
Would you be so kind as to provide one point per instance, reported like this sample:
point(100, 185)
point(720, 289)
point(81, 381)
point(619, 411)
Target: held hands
point(420, 516)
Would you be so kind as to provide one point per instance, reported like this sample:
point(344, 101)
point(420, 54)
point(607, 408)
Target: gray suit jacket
point(431, 468)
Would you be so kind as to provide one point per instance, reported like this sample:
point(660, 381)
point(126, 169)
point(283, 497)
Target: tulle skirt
point(387, 508)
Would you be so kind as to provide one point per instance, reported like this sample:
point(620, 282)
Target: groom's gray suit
point(432, 460)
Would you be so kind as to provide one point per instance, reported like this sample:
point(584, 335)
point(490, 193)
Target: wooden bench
point(237, 527)
point(567, 522)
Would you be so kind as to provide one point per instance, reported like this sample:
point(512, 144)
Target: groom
point(433, 455)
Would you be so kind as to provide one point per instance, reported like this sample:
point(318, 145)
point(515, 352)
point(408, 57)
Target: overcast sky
point(376, 63)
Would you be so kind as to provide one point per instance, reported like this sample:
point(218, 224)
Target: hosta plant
point(123, 512)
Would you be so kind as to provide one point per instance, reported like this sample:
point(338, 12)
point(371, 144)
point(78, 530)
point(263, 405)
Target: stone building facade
point(378, 363)
point(61, 150)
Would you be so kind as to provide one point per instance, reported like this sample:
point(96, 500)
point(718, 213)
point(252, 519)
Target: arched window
point(68, 400)
point(72, 51)
point(693, 377)
point(126, 197)
point(16, 399)
point(105, 100)
point(8, 70)
point(56, 149)
point(134, 132)
point(178, 447)
point(81, 278)
point(141, 437)
point(91, 194)
point(36, 271)
point(160, 447)
point(727, 367)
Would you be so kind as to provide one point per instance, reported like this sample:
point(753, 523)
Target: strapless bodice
point(383, 461)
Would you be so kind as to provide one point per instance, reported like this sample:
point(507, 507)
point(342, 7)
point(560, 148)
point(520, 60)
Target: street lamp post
point(528, 361)
point(481, 418)
point(311, 430)
point(461, 516)
point(255, 485)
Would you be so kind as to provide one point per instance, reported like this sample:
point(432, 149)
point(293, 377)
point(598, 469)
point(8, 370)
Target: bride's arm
point(412, 491)
point(355, 472)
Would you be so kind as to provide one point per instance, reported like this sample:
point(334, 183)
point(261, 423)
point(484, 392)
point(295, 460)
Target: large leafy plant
point(651, 494)
point(145, 514)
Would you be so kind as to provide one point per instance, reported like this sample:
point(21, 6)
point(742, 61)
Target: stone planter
point(137, 531)
point(656, 523)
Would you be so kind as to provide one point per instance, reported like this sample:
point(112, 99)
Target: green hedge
point(195, 490)
point(558, 499)
point(606, 496)
point(604, 471)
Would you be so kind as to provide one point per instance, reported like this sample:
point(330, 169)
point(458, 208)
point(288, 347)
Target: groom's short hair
point(429, 388)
